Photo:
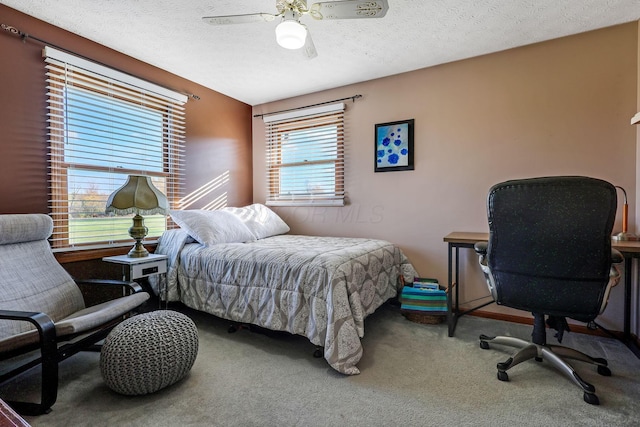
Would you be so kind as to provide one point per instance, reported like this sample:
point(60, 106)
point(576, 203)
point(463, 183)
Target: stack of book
point(424, 296)
point(425, 283)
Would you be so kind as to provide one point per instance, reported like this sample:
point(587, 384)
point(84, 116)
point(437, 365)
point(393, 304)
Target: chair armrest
point(614, 276)
point(616, 256)
point(481, 248)
point(132, 286)
point(42, 322)
point(97, 291)
point(48, 360)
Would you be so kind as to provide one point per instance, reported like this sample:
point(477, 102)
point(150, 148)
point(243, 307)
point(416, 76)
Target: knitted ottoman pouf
point(148, 352)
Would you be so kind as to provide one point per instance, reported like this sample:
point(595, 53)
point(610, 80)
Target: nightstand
point(137, 268)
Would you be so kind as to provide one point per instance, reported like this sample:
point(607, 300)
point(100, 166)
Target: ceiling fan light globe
point(291, 34)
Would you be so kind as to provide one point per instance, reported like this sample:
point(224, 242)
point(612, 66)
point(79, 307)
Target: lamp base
point(138, 231)
point(138, 251)
point(624, 236)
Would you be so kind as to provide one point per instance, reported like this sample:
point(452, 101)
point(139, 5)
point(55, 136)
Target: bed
point(318, 287)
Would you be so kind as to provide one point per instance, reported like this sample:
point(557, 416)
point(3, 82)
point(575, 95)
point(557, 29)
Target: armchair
point(549, 253)
point(43, 317)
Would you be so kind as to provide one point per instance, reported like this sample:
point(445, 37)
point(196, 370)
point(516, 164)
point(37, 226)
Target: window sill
point(338, 202)
point(75, 255)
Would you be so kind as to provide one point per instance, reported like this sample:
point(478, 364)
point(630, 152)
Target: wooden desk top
point(467, 237)
point(628, 246)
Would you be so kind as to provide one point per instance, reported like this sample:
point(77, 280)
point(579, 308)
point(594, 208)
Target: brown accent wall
point(218, 127)
point(560, 107)
point(218, 135)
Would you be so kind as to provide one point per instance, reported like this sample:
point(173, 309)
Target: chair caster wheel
point(604, 371)
point(591, 399)
point(484, 345)
point(502, 376)
point(318, 353)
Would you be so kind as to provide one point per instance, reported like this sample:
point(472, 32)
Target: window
point(102, 126)
point(305, 157)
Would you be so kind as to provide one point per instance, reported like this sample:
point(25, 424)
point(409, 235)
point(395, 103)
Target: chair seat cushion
point(99, 314)
point(84, 320)
point(148, 352)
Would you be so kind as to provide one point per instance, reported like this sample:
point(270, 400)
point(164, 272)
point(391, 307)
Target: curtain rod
point(24, 36)
point(352, 98)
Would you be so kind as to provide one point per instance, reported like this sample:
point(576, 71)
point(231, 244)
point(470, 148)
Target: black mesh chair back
point(550, 244)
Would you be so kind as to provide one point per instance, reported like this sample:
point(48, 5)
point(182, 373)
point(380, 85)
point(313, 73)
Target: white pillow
point(212, 227)
point(260, 220)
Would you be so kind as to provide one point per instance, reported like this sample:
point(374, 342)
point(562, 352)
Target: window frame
point(278, 127)
point(65, 71)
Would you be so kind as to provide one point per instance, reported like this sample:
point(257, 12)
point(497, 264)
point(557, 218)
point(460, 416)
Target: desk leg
point(451, 310)
point(453, 301)
point(626, 337)
point(628, 263)
point(456, 308)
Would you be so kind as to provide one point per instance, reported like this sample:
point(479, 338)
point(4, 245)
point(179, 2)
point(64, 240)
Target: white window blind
point(103, 125)
point(305, 157)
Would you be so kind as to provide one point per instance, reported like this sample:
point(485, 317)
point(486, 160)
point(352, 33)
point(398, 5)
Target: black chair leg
point(552, 354)
point(588, 389)
point(48, 388)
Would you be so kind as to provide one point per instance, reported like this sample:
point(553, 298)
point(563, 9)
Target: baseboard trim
point(529, 321)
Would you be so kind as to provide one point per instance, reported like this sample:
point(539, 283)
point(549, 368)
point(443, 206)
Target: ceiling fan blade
point(349, 9)
point(239, 19)
point(309, 49)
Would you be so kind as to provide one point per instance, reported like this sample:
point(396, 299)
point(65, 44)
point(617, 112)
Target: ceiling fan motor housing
point(290, 34)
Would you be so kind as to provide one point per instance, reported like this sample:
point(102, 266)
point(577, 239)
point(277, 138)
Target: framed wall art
point(394, 146)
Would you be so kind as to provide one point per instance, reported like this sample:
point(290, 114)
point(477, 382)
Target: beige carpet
point(412, 375)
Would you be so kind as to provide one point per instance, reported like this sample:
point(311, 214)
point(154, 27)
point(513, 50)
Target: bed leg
point(235, 327)
point(319, 352)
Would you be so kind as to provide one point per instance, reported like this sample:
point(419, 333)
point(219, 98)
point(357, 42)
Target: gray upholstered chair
point(42, 311)
point(549, 253)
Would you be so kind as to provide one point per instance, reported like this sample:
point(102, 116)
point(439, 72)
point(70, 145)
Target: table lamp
point(624, 234)
point(139, 196)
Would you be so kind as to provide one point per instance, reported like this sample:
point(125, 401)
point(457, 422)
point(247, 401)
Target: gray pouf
point(148, 352)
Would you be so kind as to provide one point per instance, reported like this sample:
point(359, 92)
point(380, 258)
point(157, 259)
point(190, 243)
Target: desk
point(458, 239)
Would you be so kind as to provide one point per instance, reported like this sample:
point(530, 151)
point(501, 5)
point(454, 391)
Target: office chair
point(549, 253)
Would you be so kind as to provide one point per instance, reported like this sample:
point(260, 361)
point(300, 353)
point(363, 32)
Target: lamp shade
point(138, 195)
point(291, 34)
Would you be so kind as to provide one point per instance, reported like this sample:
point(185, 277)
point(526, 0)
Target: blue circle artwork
point(392, 145)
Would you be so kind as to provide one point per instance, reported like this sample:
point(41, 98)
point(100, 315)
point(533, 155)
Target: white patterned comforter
point(318, 287)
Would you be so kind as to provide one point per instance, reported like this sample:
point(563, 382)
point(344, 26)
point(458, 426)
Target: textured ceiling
point(244, 62)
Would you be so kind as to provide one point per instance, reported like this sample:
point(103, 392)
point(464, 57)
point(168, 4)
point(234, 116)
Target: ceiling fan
point(292, 34)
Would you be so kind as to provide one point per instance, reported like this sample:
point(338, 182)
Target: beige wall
point(555, 108)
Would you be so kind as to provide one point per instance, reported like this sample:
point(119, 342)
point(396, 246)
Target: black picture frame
point(393, 146)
